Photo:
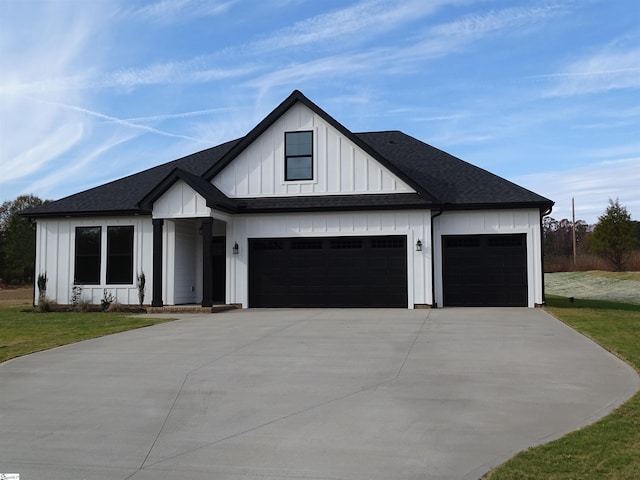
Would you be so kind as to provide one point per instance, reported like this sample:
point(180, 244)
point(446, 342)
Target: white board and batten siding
point(340, 166)
point(412, 224)
point(181, 201)
point(55, 256)
point(485, 222)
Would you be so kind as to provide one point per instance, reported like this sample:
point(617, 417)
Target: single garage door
point(485, 270)
point(328, 272)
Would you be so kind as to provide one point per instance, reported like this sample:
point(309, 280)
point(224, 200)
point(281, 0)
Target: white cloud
point(126, 123)
point(57, 141)
point(591, 185)
point(75, 167)
point(600, 72)
point(364, 19)
point(451, 37)
point(172, 11)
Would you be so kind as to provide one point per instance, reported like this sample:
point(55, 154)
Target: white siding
point(525, 221)
point(181, 201)
point(414, 224)
point(55, 256)
point(340, 167)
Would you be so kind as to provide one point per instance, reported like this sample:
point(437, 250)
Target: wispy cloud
point(126, 123)
point(451, 37)
point(58, 141)
point(77, 167)
point(601, 72)
point(198, 70)
point(363, 19)
point(592, 186)
point(173, 11)
point(195, 113)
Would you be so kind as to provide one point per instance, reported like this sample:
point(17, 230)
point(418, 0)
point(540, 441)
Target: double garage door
point(328, 272)
point(478, 270)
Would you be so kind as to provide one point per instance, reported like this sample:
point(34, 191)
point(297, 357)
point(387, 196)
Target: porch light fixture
point(418, 246)
point(235, 248)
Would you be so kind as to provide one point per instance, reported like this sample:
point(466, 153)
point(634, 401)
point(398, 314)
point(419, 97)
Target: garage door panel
point(485, 270)
point(328, 272)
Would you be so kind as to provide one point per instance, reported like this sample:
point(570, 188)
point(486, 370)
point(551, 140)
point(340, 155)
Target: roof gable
point(182, 193)
point(298, 97)
point(340, 166)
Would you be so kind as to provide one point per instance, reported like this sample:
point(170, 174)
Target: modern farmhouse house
point(300, 212)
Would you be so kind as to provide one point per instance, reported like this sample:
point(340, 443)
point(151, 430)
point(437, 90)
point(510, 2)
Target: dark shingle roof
point(440, 179)
point(450, 180)
point(122, 196)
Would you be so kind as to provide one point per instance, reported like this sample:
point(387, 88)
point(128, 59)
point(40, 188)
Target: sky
point(544, 93)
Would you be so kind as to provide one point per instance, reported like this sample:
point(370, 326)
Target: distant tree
point(17, 240)
point(558, 236)
point(614, 236)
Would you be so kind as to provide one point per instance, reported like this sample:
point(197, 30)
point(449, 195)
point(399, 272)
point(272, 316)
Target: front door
point(218, 265)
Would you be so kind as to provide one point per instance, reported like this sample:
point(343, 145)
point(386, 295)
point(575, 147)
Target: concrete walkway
point(305, 394)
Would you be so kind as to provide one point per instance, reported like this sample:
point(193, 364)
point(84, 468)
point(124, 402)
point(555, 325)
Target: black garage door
point(485, 270)
point(328, 272)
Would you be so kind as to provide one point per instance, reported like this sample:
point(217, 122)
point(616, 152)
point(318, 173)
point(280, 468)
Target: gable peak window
point(298, 163)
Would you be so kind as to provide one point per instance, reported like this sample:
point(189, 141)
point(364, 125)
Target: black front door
point(218, 265)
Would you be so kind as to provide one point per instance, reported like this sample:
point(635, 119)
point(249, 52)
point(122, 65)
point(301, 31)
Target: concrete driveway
point(305, 394)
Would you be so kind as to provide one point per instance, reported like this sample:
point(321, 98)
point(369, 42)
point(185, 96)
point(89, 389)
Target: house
point(300, 212)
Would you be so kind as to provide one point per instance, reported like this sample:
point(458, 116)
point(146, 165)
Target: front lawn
point(24, 331)
point(609, 448)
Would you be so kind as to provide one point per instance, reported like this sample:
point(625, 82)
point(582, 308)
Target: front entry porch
point(189, 262)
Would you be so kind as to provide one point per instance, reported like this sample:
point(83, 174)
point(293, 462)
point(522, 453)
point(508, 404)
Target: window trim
point(311, 178)
point(77, 281)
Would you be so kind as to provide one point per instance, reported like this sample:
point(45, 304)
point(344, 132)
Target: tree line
point(614, 238)
point(17, 241)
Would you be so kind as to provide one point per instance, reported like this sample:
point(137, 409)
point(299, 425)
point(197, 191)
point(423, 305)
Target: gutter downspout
point(433, 263)
point(543, 213)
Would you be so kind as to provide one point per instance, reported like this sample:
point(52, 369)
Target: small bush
point(107, 300)
point(116, 306)
point(45, 304)
point(82, 306)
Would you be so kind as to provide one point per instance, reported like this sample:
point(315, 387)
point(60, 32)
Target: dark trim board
point(328, 272)
point(485, 270)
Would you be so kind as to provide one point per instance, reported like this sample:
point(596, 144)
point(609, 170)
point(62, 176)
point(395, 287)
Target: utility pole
point(573, 229)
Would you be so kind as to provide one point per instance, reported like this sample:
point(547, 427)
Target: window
point(298, 164)
point(119, 255)
point(87, 266)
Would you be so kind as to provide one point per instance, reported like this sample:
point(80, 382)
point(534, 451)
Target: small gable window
point(298, 164)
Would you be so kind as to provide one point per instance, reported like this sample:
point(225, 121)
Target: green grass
point(609, 448)
point(22, 331)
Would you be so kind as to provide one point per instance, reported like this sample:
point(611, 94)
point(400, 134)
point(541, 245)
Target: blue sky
point(544, 93)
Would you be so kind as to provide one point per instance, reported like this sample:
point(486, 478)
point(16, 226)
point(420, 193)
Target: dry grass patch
point(16, 296)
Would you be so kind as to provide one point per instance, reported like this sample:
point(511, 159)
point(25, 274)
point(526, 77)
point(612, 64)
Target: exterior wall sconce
point(418, 246)
point(235, 248)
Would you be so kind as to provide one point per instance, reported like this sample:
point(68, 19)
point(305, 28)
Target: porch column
point(207, 271)
point(156, 301)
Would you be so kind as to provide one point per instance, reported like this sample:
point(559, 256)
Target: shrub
point(107, 300)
